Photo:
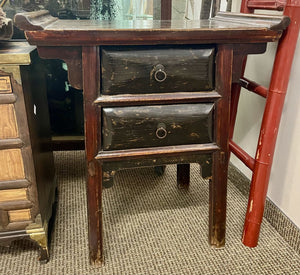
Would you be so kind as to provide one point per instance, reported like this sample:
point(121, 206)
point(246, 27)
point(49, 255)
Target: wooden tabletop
point(42, 29)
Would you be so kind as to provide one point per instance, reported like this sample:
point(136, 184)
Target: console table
point(155, 93)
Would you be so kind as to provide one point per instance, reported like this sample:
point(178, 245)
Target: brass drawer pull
point(160, 75)
point(161, 131)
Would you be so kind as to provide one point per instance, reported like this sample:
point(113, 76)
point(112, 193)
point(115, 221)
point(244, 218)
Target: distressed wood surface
point(8, 123)
point(225, 28)
point(154, 152)
point(131, 70)
point(204, 159)
point(149, 126)
point(223, 32)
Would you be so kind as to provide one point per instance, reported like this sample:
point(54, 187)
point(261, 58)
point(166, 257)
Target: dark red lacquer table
point(155, 93)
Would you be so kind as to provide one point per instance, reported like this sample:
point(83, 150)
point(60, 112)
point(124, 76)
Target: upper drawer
point(150, 126)
point(147, 69)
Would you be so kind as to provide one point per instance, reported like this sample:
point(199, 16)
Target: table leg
point(91, 76)
point(217, 200)
point(218, 183)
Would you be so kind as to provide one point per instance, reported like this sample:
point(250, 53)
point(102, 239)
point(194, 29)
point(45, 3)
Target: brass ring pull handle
point(160, 75)
point(161, 131)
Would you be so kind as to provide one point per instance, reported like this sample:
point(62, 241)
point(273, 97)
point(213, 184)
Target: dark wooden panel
point(205, 160)
point(156, 69)
point(149, 126)
point(110, 168)
point(38, 159)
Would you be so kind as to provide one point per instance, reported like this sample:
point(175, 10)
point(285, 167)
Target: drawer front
point(8, 122)
point(150, 126)
point(12, 166)
point(155, 70)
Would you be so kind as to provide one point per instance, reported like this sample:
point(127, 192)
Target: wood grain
point(13, 195)
point(19, 215)
point(12, 167)
point(8, 123)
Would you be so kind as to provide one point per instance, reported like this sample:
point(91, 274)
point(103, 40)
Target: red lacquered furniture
point(275, 95)
point(98, 52)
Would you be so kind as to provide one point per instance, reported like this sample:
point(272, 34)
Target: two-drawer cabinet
point(155, 93)
point(27, 187)
point(164, 76)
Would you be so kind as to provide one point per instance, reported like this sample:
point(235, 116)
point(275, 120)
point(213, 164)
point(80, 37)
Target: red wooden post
point(270, 125)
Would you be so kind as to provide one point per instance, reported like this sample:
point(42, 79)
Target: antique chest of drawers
point(27, 186)
point(155, 93)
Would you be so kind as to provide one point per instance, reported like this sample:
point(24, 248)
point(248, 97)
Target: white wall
point(284, 185)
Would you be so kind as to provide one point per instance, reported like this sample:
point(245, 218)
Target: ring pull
point(160, 75)
point(161, 131)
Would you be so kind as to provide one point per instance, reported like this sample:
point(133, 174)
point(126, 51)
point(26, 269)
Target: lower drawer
point(151, 126)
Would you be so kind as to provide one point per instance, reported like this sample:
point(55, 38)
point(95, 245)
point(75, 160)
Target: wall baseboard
point(284, 226)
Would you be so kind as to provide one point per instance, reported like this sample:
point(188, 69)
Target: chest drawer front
point(155, 70)
point(150, 126)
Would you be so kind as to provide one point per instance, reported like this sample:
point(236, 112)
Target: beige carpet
point(150, 227)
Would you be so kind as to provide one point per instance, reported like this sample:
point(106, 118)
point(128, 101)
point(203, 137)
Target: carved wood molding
point(34, 21)
point(276, 23)
point(239, 54)
point(72, 57)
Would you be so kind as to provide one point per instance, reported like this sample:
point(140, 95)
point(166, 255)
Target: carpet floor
point(150, 227)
